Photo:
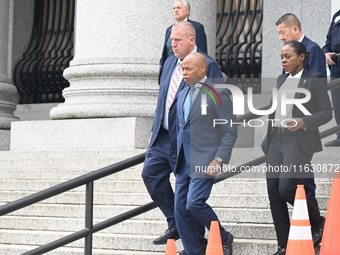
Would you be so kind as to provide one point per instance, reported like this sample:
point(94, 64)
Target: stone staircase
point(241, 203)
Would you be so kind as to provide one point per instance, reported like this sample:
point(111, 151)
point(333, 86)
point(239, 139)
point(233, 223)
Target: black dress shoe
point(334, 143)
point(184, 253)
point(317, 232)
point(170, 233)
point(280, 251)
point(227, 244)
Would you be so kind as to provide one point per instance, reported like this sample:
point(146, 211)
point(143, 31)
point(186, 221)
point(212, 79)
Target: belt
point(281, 130)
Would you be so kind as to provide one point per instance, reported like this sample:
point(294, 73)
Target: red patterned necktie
point(175, 82)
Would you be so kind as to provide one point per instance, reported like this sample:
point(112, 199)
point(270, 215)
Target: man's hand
point(328, 58)
point(214, 168)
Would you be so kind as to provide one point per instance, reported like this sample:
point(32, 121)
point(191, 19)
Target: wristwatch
point(219, 159)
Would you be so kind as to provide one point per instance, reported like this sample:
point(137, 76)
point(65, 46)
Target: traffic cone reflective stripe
point(301, 214)
point(214, 246)
point(170, 247)
point(300, 240)
point(331, 232)
point(300, 233)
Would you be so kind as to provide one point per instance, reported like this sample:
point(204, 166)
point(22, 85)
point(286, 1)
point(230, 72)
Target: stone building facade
point(113, 75)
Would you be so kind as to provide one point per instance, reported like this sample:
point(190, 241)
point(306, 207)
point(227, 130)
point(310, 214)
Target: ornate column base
point(109, 90)
point(8, 99)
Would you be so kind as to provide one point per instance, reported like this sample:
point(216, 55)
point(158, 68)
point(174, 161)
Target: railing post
point(89, 218)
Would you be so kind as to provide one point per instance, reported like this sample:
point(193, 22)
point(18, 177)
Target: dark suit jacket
point(316, 61)
point(214, 71)
point(201, 42)
point(333, 36)
point(198, 141)
point(319, 106)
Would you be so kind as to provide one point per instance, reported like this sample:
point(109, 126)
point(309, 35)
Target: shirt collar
point(303, 36)
point(298, 75)
point(180, 61)
point(199, 84)
point(186, 19)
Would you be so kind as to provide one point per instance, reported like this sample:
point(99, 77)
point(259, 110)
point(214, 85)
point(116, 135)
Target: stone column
point(117, 49)
point(113, 76)
point(8, 92)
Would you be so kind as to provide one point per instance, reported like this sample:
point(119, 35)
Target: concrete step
point(153, 228)
point(132, 243)
point(240, 202)
point(233, 186)
point(20, 249)
point(137, 199)
point(240, 247)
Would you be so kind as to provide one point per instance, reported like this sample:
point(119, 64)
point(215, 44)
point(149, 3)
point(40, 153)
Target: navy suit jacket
point(201, 42)
point(316, 61)
point(333, 36)
point(214, 71)
point(198, 141)
point(319, 106)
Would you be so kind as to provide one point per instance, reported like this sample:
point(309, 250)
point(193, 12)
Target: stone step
point(95, 159)
point(67, 165)
point(55, 213)
point(20, 249)
point(154, 228)
point(240, 202)
point(121, 242)
point(137, 199)
point(233, 186)
point(240, 247)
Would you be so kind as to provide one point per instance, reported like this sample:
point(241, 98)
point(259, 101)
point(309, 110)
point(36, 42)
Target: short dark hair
point(290, 20)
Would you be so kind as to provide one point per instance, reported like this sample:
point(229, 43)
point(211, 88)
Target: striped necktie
point(175, 82)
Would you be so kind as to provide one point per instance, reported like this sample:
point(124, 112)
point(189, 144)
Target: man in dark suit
point(161, 155)
point(289, 29)
point(201, 149)
point(332, 47)
point(181, 12)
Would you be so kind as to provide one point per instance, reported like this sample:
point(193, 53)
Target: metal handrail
point(88, 180)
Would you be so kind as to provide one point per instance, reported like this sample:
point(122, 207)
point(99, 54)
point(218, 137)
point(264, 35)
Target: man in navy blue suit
point(331, 47)
point(201, 149)
point(161, 155)
point(181, 12)
point(289, 29)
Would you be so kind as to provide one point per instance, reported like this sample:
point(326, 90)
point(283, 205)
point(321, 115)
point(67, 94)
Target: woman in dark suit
point(293, 137)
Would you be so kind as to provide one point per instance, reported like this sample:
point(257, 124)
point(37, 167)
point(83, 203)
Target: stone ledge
point(81, 134)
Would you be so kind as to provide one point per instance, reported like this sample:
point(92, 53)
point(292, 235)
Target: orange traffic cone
point(214, 246)
point(331, 232)
point(170, 247)
point(300, 240)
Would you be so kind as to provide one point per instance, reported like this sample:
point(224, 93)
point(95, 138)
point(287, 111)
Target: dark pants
point(308, 179)
point(192, 213)
point(335, 93)
point(284, 157)
point(158, 165)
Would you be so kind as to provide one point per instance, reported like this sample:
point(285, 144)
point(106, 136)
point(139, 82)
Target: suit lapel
point(302, 83)
point(197, 103)
point(281, 80)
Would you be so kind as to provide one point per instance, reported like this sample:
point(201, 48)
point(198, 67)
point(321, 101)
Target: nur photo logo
point(204, 103)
